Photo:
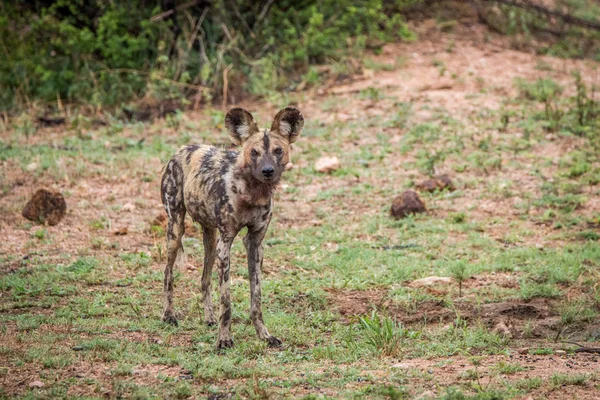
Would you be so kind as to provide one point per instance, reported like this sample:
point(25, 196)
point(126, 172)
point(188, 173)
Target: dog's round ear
point(240, 125)
point(288, 123)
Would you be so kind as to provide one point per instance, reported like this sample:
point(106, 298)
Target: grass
point(384, 335)
point(80, 305)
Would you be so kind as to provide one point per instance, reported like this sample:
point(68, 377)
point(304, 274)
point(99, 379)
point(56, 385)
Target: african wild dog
point(227, 190)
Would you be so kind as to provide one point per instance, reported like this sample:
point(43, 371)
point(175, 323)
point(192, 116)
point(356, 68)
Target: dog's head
point(265, 152)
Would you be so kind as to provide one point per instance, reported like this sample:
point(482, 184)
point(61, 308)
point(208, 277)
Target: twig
point(241, 18)
point(560, 331)
point(593, 350)
point(226, 31)
point(583, 349)
point(190, 42)
point(167, 13)
point(569, 342)
point(223, 49)
point(197, 99)
point(202, 48)
point(262, 14)
point(225, 86)
point(197, 29)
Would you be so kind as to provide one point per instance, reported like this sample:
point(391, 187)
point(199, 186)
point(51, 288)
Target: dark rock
point(439, 182)
point(51, 121)
point(406, 203)
point(45, 207)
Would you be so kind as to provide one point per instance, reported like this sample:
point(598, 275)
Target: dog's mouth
point(269, 179)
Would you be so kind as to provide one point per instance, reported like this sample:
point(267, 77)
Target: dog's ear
point(288, 123)
point(240, 125)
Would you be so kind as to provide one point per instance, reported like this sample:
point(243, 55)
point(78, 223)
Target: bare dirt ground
point(479, 72)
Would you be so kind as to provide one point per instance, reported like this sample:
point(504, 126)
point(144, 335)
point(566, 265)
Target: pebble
point(426, 395)
point(327, 164)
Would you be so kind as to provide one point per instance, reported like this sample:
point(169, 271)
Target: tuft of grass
point(40, 234)
point(528, 384)
point(542, 90)
point(530, 290)
point(590, 236)
point(507, 368)
point(83, 265)
point(384, 334)
point(558, 379)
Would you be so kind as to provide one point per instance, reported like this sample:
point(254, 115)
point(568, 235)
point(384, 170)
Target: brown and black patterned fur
point(225, 191)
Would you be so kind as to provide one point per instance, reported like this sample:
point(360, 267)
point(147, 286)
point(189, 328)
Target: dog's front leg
point(223, 250)
point(253, 244)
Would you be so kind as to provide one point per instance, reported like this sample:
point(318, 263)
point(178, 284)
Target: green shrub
point(108, 53)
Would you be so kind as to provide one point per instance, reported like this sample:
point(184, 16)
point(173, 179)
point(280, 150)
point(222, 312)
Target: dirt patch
point(447, 371)
point(357, 302)
point(535, 318)
point(84, 372)
point(354, 303)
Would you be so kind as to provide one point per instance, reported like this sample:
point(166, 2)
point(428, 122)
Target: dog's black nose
point(268, 171)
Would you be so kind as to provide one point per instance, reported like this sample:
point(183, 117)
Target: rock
point(406, 203)
point(430, 281)
point(560, 352)
point(139, 372)
point(121, 232)
point(439, 182)
point(426, 395)
point(128, 207)
point(36, 384)
point(404, 366)
point(327, 164)
point(45, 206)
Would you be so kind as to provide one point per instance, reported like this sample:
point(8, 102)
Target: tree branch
point(567, 18)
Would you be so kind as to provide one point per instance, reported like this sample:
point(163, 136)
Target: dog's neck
point(251, 191)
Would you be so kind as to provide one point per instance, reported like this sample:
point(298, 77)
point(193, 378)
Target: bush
point(108, 53)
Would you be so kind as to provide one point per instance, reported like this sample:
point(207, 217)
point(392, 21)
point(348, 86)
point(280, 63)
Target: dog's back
point(196, 179)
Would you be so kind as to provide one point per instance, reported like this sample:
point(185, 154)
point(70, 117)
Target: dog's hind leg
point(223, 257)
point(209, 238)
point(172, 197)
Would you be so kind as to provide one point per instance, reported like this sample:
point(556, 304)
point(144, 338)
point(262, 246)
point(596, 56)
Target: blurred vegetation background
point(103, 54)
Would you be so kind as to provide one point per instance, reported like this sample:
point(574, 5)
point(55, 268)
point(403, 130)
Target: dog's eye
point(278, 151)
point(254, 153)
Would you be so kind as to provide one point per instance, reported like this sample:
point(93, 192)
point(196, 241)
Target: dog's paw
point(224, 344)
point(170, 319)
point(272, 341)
